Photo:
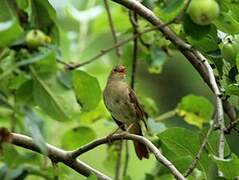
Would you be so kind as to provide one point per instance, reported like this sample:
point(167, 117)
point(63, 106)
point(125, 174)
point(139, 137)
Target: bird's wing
point(140, 113)
point(138, 108)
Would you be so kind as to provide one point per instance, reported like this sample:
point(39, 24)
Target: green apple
point(203, 12)
point(36, 38)
point(229, 50)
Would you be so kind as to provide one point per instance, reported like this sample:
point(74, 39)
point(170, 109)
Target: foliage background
point(162, 80)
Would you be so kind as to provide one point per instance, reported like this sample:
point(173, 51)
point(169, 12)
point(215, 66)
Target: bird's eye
point(114, 69)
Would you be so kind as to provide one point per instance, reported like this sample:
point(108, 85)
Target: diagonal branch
point(125, 135)
point(193, 165)
point(231, 126)
point(54, 153)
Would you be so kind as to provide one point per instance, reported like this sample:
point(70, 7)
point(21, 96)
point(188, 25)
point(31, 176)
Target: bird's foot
point(109, 137)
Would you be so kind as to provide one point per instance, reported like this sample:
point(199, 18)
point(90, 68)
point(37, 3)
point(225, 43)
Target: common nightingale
point(122, 103)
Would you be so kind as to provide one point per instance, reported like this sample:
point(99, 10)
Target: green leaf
point(229, 167)
point(9, 32)
point(194, 30)
point(155, 127)
point(10, 29)
point(43, 16)
point(89, 117)
point(33, 125)
point(46, 99)
point(47, 65)
point(195, 110)
point(77, 137)
point(24, 94)
point(65, 78)
point(184, 142)
point(213, 142)
point(226, 23)
point(87, 90)
point(203, 37)
point(181, 163)
point(149, 106)
point(10, 156)
point(156, 60)
point(169, 9)
point(46, 55)
point(232, 89)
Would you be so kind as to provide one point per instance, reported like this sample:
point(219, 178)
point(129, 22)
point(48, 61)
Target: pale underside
point(118, 102)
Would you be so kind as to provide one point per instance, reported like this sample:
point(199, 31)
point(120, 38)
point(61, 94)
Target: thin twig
point(231, 126)
point(134, 21)
point(200, 151)
point(126, 161)
point(105, 51)
point(128, 136)
point(118, 50)
point(118, 161)
point(166, 115)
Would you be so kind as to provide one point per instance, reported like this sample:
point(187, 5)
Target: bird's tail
point(140, 149)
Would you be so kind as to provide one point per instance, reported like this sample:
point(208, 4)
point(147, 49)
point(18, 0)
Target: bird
point(124, 107)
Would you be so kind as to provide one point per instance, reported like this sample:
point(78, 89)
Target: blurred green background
point(84, 32)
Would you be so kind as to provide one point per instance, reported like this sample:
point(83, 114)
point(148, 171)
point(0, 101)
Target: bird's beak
point(122, 70)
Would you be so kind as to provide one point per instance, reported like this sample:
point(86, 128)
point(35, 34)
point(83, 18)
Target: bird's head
point(118, 72)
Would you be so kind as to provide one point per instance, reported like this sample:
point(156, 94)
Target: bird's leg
point(114, 132)
point(129, 127)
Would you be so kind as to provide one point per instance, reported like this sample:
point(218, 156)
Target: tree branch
point(231, 126)
point(200, 151)
point(219, 104)
point(128, 136)
point(54, 153)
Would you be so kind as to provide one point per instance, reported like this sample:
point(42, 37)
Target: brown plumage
point(124, 107)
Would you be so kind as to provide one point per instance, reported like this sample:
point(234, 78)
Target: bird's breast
point(117, 101)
